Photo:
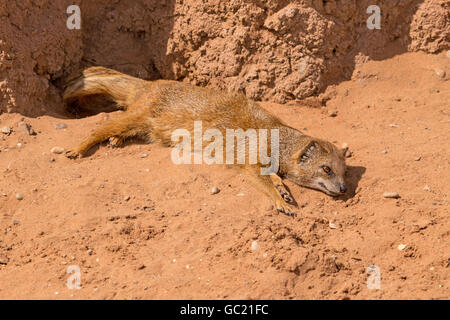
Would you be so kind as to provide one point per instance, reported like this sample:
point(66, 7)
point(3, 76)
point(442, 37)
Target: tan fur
point(155, 109)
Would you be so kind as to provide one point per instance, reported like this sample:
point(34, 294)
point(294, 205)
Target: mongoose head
point(320, 165)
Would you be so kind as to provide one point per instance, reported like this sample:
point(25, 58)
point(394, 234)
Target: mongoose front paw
point(286, 209)
point(285, 194)
point(73, 154)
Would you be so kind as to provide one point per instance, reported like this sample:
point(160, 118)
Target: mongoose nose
point(342, 188)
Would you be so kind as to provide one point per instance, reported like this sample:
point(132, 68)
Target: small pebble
point(348, 154)
point(401, 247)
point(60, 126)
point(215, 190)
point(440, 73)
point(393, 195)
point(3, 259)
point(384, 152)
point(332, 114)
point(19, 196)
point(393, 125)
point(144, 155)
point(127, 198)
point(6, 130)
point(426, 188)
point(57, 150)
point(15, 222)
point(417, 158)
point(255, 246)
point(332, 225)
point(25, 127)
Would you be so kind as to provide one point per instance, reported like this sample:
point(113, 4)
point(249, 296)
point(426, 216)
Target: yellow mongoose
point(154, 109)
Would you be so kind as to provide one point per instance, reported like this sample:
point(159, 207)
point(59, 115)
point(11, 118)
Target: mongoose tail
point(96, 81)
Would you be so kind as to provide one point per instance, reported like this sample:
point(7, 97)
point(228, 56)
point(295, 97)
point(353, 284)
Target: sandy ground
point(144, 228)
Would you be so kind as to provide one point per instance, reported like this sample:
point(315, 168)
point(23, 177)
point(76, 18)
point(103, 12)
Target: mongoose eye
point(327, 170)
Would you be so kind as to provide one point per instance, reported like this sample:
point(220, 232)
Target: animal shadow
point(352, 177)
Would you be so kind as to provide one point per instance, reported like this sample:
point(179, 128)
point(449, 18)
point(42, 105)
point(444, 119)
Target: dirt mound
point(271, 50)
point(141, 227)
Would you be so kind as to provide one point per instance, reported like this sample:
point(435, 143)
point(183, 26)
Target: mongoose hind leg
point(119, 129)
point(268, 185)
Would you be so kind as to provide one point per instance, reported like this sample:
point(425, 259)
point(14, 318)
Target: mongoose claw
point(115, 142)
point(288, 213)
point(286, 196)
point(72, 154)
point(287, 210)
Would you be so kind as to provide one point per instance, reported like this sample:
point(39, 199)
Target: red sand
point(174, 240)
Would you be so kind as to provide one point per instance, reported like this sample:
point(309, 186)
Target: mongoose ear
point(302, 155)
